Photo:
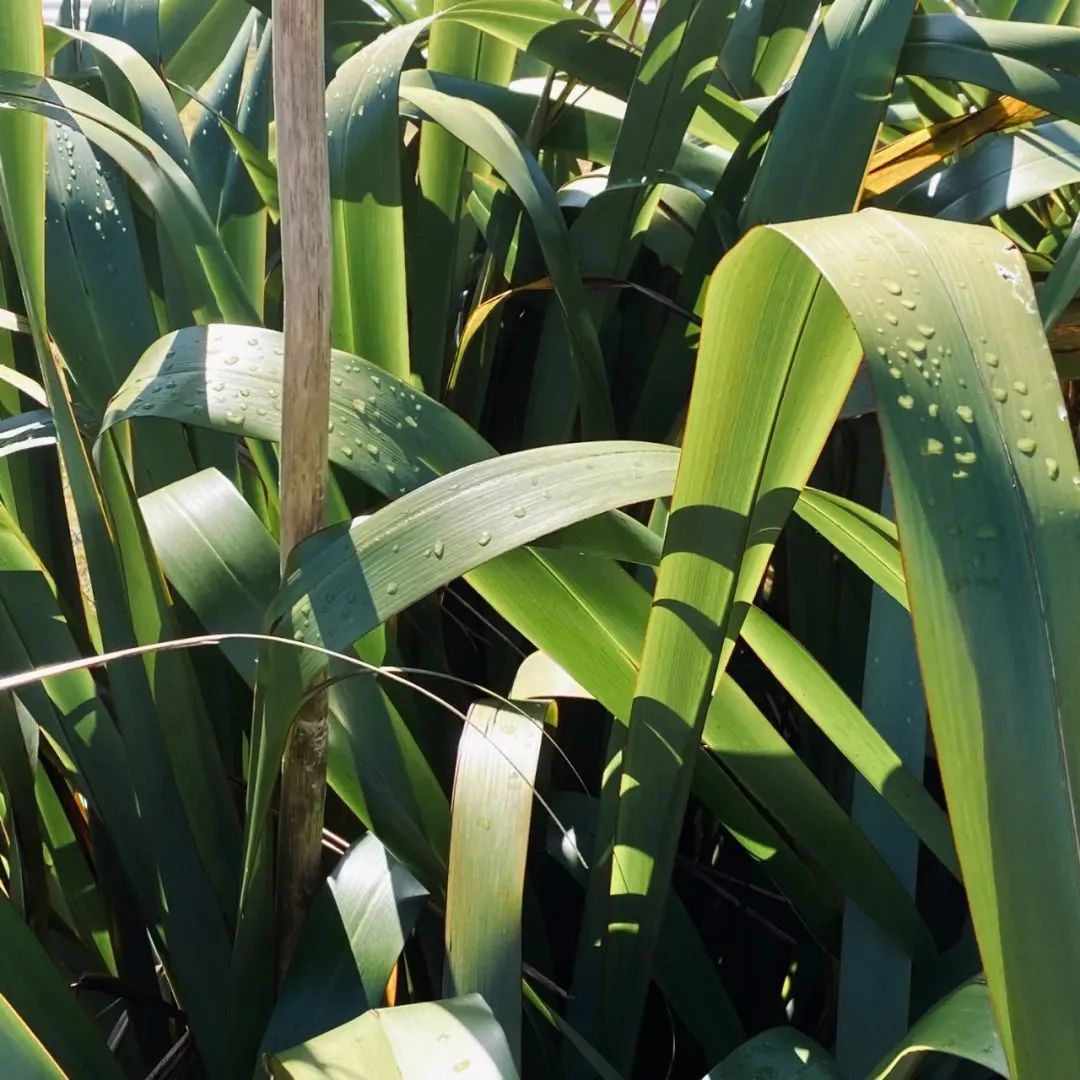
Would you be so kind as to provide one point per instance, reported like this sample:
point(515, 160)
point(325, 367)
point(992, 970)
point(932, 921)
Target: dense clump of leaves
point(695, 605)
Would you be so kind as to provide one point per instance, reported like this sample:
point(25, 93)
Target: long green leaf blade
point(838, 100)
point(497, 762)
point(982, 467)
point(731, 469)
point(853, 735)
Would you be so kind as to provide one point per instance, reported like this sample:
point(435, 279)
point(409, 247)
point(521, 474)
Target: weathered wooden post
point(305, 255)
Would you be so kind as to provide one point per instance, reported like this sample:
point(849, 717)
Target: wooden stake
point(303, 177)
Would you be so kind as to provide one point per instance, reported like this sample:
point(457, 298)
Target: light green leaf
point(435, 1040)
point(778, 384)
point(497, 761)
point(195, 34)
point(21, 1053)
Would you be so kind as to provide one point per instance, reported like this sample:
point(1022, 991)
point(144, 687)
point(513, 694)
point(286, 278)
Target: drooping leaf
point(209, 275)
point(1024, 60)
point(585, 612)
point(136, 88)
point(220, 559)
point(981, 464)
point(961, 1024)
point(356, 582)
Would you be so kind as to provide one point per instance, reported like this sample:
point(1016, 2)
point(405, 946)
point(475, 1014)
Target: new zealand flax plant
point(695, 616)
